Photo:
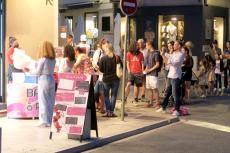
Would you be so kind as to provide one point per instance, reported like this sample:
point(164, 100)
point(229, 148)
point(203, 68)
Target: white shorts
point(151, 82)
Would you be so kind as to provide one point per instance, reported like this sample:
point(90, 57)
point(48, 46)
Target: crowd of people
point(144, 63)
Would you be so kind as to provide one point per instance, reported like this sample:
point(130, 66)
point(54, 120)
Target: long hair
point(46, 50)
point(132, 47)
point(69, 53)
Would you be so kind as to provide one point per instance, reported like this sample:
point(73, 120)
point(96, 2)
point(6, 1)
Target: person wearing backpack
point(175, 62)
point(153, 65)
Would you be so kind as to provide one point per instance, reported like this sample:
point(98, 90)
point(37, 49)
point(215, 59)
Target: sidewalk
point(22, 136)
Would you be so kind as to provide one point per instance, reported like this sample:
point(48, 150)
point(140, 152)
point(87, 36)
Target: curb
point(104, 141)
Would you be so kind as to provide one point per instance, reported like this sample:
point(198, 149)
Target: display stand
point(74, 110)
point(22, 96)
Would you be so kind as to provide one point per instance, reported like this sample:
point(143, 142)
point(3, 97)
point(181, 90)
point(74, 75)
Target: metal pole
point(124, 70)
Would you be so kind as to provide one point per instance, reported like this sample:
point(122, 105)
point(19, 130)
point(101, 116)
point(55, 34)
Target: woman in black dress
point(187, 73)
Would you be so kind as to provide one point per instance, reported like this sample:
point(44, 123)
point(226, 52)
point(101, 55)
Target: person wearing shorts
point(153, 63)
point(135, 67)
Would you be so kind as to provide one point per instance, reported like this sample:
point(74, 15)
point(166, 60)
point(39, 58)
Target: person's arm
point(127, 63)
point(40, 66)
point(176, 60)
point(101, 65)
point(77, 63)
point(156, 65)
point(96, 59)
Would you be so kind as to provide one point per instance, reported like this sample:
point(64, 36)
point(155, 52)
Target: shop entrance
point(218, 31)
point(2, 52)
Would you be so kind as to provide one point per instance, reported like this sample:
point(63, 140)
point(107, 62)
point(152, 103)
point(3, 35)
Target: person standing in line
point(13, 44)
point(174, 78)
point(142, 48)
point(226, 57)
point(202, 75)
point(46, 84)
point(135, 67)
point(218, 71)
point(68, 60)
point(69, 40)
point(99, 87)
point(111, 82)
point(187, 72)
point(151, 70)
point(166, 65)
point(83, 64)
point(83, 45)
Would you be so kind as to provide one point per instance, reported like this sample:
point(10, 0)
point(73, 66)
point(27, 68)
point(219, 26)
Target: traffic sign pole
point(124, 69)
point(128, 7)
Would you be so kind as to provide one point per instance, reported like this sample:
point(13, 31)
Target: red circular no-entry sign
point(128, 7)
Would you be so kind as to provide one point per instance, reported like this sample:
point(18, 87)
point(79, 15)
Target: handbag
point(119, 70)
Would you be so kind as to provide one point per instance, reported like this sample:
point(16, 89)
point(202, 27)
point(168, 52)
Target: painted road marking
point(208, 125)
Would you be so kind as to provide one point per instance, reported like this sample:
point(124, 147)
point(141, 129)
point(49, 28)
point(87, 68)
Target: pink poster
point(22, 98)
point(71, 103)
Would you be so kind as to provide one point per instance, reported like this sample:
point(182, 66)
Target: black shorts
point(135, 79)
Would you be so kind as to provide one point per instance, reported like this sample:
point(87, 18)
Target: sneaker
point(176, 113)
point(160, 110)
point(203, 96)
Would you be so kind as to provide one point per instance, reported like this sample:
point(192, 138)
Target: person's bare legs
point(127, 89)
point(156, 96)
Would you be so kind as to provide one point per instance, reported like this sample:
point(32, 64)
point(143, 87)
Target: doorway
point(218, 30)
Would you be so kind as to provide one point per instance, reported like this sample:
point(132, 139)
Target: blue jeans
point(10, 71)
point(113, 86)
point(173, 88)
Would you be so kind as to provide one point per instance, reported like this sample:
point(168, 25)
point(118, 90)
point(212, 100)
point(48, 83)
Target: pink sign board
point(71, 103)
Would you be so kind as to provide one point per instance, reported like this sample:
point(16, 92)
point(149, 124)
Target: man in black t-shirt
point(152, 65)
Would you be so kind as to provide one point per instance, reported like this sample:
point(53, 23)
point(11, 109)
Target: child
point(218, 71)
point(211, 78)
point(202, 77)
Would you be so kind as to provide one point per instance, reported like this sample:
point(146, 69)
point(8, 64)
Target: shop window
point(106, 23)
point(218, 30)
point(170, 28)
point(69, 23)
point(91, 27)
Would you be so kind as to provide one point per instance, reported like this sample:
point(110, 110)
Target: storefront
point(2, 33)
point(199, 24)
point(89, 17)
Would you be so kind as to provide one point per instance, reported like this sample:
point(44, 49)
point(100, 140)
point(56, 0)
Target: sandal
point(106, 115)
point(113, 115)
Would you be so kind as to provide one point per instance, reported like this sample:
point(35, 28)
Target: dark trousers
point(226, 75)
point(218, 83)
point(173, 88)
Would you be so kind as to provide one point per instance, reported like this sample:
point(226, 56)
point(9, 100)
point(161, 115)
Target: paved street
point(206, 130)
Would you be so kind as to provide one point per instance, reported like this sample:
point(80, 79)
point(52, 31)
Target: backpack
point(160, 60)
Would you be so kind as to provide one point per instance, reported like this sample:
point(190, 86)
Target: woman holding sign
point(107, 66)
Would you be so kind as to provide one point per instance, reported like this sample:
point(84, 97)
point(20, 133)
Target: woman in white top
point(68, 60)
